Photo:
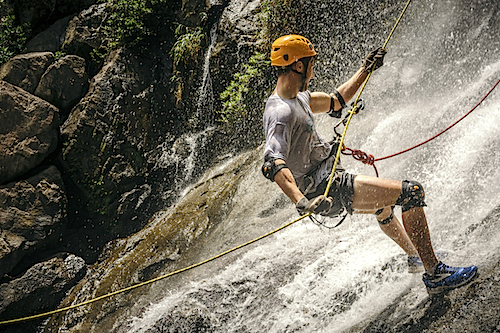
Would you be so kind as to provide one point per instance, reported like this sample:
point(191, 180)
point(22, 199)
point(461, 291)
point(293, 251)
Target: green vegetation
point(127, 23)
point(59, 54)
point(13, 37)
point(241, 91)
point(188, 45)
point(278, 17)
point(185, 52)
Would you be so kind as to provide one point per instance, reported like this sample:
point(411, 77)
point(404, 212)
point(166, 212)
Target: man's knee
point(412, 195)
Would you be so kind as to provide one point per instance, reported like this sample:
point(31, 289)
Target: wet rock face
point(186, 319)
point(32, 215)
point(158, 248)
point(28, 131)
point(109, 134)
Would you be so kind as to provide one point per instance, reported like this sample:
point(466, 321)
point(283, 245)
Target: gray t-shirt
point(291, 135)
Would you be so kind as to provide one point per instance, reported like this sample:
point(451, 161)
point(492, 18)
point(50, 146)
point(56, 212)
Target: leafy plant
point(188, 44)
point(185, 53)
point(241, 91)
point(59, 54)
point(13, 37)
point(126, 25)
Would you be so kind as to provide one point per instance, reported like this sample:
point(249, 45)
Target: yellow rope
point(50, 313)
point(355, 106)
point(337, 157)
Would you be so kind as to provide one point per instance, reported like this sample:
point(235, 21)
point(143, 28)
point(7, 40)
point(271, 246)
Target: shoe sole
point(444, 289)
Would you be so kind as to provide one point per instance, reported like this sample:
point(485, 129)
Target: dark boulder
point(50, 39)
point(64, 83)
point(40, 12)
point(40, 289)
point(28, 131)
point(32, 216)
point(109, 135)
point(25, 70)
point(84, 31)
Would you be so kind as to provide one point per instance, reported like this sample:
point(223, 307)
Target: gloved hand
point(375, 57)
point(317, 205)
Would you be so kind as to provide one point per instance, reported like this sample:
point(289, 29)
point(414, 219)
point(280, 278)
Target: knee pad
point(386, 220)
point(412, 195)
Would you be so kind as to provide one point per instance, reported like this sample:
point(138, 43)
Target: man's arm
point(320, 101)
point(318, 205)
point(285, 180)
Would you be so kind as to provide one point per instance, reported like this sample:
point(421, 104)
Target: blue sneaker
point(447, 278)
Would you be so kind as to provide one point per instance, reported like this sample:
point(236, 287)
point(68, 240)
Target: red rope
point(359, 155)
point(370, 160)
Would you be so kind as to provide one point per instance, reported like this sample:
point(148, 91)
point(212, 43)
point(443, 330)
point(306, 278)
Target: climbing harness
point(352, 112)
point(370, 159)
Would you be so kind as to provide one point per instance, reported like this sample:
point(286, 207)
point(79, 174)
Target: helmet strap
point(303, 75)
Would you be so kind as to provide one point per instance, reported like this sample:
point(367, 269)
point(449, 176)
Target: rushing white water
point(441, 61)
point(206, 93)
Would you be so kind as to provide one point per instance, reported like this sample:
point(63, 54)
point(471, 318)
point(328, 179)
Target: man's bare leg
point(416, 227)
point(396, 232)
point(371, 194)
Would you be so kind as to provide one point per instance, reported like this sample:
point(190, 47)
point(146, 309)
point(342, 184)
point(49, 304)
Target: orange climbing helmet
point(288, 49)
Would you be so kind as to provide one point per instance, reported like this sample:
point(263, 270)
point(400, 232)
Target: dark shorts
point(342, 192)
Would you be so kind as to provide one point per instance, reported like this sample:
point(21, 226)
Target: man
point(299, 160)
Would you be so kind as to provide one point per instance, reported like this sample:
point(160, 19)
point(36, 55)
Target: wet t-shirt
point(291, 135)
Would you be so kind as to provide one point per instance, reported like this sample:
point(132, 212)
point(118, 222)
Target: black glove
point(317, 205)
point(375, 57)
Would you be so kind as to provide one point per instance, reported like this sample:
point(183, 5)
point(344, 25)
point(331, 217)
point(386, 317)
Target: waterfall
point(441, 61)
point(205, 102)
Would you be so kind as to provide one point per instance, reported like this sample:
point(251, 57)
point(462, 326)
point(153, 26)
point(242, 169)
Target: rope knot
point(360, 155)
point(363, 157)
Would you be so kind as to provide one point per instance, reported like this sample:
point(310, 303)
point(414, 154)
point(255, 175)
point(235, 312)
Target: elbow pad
point(332, 112)
point(270, 169)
